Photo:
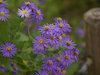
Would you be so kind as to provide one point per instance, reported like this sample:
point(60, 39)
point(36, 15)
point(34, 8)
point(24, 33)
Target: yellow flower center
point(60, 25)
point(1, 1)
point(59, 19)
point(67, 57)
point(58, 59)
point(15, 68)
point(63, 35)
point(64, 71)
point(8, 49)
point(24, 11)
point(68, 43)
point(38, 12)
point(58, 69)
point(2, 13)
point(27, 3)
point(76, 53)
point(50, 72)
point(50, 62)
point(59, 37)
point(41, 41)
point(46, 28)
point(52, 37)
point(2, 66)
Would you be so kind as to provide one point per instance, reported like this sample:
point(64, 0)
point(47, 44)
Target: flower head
point(38, 15)
point(8, 49)
point(67, 43)
point(63, 27)
point(4, 14)
point(3, 3)
point(40, 44)
point(80, 32)
point(49, 63)
point(24, 12)
point(67, 58)
point(2, 68)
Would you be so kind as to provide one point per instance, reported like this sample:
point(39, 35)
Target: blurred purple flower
point(42, 1)
point(3, 3)
point(80, 32)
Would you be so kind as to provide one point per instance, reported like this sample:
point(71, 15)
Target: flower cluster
point(31, 12)
point(8, 49)
point(55, 36)
point(58, 65)
point(4, 13)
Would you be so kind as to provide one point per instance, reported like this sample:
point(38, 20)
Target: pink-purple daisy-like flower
point(8, 49)
point(24, 12)
point(4, 14)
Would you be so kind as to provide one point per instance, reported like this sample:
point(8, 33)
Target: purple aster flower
point(75, 53)
point(58, 19)
point(26, 4)
point(3, 3)
point(64, 36)
point(58, 41)
point(2, 68)
point(38, 15)
point(8, 49)
point(40, 44)
point(49, 63)
point(82, 23)
point(44, 72)
point(45, 29)
point(51, 39)
point(15, 68)
point(67, 43)
point(4, 14)
point(24, 12)
point(80, 32)
point(33, 7)
point(63, 27)
point(67, 58)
